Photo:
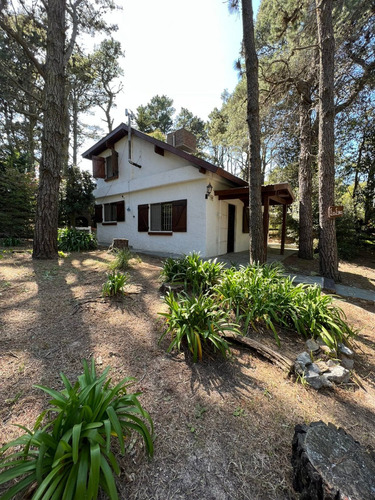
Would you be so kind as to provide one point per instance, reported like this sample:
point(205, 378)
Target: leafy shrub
point(68, 452)
point(122, 258)
point(71, 240)
point(196, 319)
point(262, 294)
point(196, 274)
point(115, 284)
point(10, 241)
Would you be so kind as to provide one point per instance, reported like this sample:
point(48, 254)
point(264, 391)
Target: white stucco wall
point(217, 222)
point(162, 179)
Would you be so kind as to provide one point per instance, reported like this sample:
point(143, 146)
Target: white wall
point(217, 222)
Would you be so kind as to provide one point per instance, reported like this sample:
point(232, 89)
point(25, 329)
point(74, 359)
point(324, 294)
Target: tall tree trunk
point(326, 158)
point(304, 173)
point(255, 168)
point(54, 134)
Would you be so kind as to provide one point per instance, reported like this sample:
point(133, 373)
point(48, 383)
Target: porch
point(272, 194)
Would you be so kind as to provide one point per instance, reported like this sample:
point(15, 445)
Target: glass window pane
point(156, 217)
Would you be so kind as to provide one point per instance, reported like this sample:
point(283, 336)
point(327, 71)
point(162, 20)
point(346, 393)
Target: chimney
point(182, 139)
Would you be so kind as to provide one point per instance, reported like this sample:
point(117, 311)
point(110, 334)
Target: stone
point(313, 379)
point(331, 363)
point(312, 346)
point(304, 358)
point(347, 362)
point(343, 349)
point(328, 464)
point(327, 350)
point(338, 374)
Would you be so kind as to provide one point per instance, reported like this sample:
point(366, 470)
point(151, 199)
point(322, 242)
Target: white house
point(164, 199)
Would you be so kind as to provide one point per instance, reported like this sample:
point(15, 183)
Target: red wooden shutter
point(245, 220)
point(98, 167)
point(121, 211)
point(142, 218)
point(114, 163)
point(179, 210)
point(98, 213)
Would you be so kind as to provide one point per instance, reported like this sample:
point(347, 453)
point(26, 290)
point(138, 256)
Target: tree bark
point(304, 173)
point(256, 248)
point(54, 134)
point(326, 158)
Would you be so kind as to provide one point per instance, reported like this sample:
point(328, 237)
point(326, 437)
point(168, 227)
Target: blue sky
point(185, 50)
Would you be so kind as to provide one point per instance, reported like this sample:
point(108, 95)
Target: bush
point(194, 273)
point(71, 240)
point(10, 241)
point(115, 284)
point(262, 294)
point(68, 452)
point(122, 258)
point(196, 320)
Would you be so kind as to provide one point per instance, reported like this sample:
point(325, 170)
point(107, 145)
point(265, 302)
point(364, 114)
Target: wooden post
point(283, 230)
point(266, 223)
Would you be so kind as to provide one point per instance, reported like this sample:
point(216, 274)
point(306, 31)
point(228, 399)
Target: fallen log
point(266, 352)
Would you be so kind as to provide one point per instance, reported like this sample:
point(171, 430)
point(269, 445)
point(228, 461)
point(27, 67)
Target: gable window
point(105, 168)
point(163, 218)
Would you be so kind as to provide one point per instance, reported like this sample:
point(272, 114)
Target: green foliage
point(68, 454)
point(10, 241)
point(71, 240)
point(76, 196)
point(196, 274)
point(115, 284)
point(157, 114)
point(196, 320)
point(17, 202)
point(122, 258)
point(262, 294)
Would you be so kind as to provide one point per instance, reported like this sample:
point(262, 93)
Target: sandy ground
point(223, 428)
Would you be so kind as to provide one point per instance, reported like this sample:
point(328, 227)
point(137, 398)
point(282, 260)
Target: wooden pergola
point(272, 194)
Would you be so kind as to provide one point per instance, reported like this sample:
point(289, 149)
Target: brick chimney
point(182, 139)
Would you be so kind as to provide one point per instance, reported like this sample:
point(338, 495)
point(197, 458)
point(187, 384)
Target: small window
point(114, 212)
point(161, 217)
point(110, 212)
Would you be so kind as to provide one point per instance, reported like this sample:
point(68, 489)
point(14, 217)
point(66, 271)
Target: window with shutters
point(105, 168)
point(163, 218)
point(114, 212)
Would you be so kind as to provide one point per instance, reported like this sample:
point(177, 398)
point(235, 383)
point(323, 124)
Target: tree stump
point(329, 464)
point(120, 243)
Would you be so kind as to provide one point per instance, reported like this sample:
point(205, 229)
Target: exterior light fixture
point(209, 189)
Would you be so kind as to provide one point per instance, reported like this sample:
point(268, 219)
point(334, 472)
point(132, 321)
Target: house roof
point(122, 131)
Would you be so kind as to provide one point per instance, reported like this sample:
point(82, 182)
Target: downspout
point(130, 115)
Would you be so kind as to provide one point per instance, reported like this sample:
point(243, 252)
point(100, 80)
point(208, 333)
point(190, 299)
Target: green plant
point(68, 452)
point(262, 294)
point(62, 254)
point(122, 258)
point(10, 241)
point(71, 240)
point(196, 320)
point(115, 284)
point(195, 274)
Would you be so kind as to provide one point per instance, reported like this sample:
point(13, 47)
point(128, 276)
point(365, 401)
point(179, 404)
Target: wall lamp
point(209, 189)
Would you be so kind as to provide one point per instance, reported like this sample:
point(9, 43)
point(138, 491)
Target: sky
point(185, 50)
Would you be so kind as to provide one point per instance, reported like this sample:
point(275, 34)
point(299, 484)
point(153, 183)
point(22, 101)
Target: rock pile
point(317, 367)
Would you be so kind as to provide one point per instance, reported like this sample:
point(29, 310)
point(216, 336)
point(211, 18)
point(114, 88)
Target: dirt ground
point(223, 428)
